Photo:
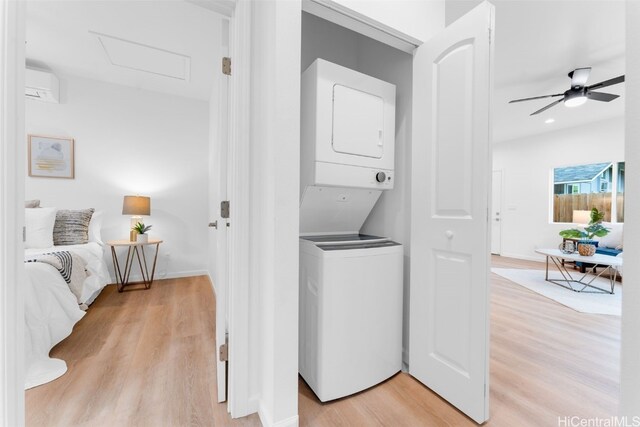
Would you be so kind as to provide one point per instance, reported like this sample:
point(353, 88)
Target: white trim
point(223, 7)
point(630, 340)
point(267, 420)
point(348, 18)
point(12, 171)
point(173, 275)
point(239, 400)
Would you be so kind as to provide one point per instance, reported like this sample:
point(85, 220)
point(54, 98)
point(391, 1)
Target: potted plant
point(141, 230)
point(586, 244)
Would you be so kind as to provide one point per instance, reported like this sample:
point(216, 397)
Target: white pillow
point(614, 238)
point(39, 227)
point(95, 227)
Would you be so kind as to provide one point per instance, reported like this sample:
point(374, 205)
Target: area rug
point(582, 302)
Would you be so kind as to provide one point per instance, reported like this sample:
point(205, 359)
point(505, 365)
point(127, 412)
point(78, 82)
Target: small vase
point(142, 238)
point(586, 249)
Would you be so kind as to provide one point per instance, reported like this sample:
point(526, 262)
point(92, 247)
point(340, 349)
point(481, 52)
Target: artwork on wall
point(50, 157)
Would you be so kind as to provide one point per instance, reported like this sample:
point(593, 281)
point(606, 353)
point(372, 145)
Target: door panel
point(451, 167)
point(358, 122)
point(452, 144)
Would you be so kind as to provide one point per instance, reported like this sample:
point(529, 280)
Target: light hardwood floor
point(146, 358)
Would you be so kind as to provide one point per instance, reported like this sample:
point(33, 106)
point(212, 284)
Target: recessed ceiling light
point(549, 121)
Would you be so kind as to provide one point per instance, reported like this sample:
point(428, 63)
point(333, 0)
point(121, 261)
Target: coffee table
point(580, 284)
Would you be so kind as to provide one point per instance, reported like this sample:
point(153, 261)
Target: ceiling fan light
point(575, 101)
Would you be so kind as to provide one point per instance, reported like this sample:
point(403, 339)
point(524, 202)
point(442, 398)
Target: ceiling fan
point(579, 93)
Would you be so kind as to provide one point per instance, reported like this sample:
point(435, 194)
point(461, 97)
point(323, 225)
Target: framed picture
point(50, 157)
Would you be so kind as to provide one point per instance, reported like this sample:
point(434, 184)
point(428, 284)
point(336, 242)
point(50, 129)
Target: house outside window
point(583, 187)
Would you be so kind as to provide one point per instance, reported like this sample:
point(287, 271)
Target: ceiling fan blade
point(579, 76)
point(536, 97)
point(601, 96)
point(613, 81)
point(547, 107)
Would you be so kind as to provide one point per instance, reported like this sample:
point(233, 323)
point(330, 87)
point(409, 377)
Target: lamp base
point(133, 234)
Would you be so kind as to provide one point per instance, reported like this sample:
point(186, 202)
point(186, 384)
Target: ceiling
point(163, 46)
point(536, 44)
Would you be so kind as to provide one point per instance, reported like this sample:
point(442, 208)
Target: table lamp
point(581, 217)
point(136, 206)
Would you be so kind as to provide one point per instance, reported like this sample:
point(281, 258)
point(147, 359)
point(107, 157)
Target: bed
point(52, 308)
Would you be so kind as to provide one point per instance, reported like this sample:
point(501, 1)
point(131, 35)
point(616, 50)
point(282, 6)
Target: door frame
point(239, 399)
point(12, 178)
point(12, 181)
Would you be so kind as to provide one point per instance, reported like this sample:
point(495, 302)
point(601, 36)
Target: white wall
point(527, 166)
point(274, 182)
point(130, 141)
point(630, 360)
point(454, 9)
point(417, 19)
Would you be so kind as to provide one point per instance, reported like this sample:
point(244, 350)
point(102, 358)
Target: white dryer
point(347, 128)
point(350, 312)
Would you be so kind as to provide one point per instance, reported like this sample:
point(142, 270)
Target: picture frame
point(51, 157)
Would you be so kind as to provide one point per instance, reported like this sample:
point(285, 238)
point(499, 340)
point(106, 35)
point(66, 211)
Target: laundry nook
point(350, 283)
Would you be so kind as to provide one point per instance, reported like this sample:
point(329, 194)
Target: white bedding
point(51, 309)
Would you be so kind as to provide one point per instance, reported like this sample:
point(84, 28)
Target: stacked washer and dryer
point(350, 283)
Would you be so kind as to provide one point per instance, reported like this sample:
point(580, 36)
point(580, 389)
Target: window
point(583, 187)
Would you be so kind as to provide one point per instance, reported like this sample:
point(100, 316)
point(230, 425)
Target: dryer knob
point(381, 177)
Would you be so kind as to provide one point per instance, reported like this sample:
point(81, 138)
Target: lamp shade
point(581, 217)
point(136, 205)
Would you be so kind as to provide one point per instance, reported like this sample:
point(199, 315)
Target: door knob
point(449, 234)
point(214, 224)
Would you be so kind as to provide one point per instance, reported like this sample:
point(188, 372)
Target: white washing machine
point(350, 312)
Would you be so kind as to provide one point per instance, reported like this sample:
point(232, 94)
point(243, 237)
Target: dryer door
point(358, 122)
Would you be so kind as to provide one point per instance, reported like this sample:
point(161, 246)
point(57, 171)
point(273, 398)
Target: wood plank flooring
point(140, 358)
point(147, 358)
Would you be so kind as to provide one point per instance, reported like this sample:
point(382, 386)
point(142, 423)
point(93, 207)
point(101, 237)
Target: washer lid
point(344, 239)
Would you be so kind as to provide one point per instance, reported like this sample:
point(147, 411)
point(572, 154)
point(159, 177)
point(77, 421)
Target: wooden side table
point(122, 276)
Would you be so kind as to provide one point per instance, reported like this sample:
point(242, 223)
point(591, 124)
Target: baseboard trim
point(266, 420)
point(173, 275)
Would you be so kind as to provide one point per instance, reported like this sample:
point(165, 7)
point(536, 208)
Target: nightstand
point(134, 250)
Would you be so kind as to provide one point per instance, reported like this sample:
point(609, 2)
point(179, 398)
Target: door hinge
point(224, 353)
point(24, 234)
point(490, 35)
point(224, 209)
point(224, 350)
point(226, 66)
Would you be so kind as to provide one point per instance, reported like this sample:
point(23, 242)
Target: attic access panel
point(358, 122)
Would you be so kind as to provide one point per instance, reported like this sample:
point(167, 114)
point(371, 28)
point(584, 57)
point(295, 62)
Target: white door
point(451, 171)
point(496, 213)
point(218, 235)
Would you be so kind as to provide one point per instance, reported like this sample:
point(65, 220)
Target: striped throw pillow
point(72, 227)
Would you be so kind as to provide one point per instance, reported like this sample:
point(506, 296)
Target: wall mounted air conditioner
point(42, 86)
